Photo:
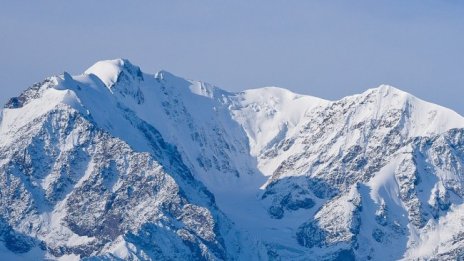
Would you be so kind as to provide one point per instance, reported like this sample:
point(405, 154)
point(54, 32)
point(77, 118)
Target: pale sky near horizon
point(327, 49)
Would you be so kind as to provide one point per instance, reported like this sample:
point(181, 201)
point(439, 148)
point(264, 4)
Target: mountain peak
point(163, 75)
point(109, 165)
point(386, 90)
point(109, 71)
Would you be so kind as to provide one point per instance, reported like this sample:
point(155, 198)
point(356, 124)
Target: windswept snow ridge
point(118, 164)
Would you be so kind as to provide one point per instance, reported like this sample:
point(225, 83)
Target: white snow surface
point(107, 71)
point(235, 144)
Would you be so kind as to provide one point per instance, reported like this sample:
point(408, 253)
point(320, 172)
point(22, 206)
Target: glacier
point(119, 164)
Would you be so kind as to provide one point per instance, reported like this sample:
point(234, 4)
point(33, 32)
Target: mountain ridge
point(260, 173)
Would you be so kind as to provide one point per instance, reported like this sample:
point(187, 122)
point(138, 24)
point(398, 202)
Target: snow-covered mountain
point(118, 164)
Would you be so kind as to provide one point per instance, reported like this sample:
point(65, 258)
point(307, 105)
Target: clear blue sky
point(323, 48)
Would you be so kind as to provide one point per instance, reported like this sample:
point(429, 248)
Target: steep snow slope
point(118, 163)
point(358, 125)
point(72, 190)
point(268, 114)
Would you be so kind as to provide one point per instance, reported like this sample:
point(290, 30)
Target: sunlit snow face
point(229, 173)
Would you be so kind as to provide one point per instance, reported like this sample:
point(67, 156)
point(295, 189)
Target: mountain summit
point(118, 164)
point(111, 71)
